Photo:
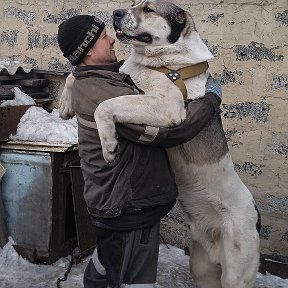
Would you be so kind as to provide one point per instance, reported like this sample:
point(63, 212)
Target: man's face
point(102, 52)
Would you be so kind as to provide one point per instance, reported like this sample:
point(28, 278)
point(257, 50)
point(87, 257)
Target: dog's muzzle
point(118, 16)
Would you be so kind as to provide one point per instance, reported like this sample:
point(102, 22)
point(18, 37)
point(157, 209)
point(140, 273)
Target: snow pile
point(20, 99)
point(16, 272)
point(173, 271)
point(37, 125)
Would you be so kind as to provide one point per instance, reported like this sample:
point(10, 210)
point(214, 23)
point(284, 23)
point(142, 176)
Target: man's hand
point(213, 86)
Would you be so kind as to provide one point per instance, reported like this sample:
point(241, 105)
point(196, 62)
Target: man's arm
point(199, 113)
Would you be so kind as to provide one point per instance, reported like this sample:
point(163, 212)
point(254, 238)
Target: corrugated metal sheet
point(12, 67)
point(34, 82)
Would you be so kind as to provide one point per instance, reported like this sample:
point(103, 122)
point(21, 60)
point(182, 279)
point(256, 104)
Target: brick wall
point(249, 40)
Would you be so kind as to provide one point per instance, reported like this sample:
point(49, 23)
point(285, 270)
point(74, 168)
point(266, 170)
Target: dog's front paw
point(65, 103)
point(177, 118)
point(175, 122)
point(111, 152)
point(65, 109)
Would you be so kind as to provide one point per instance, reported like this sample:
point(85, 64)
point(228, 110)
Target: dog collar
point(178, 76)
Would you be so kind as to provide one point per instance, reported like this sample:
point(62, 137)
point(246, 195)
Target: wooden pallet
point(33, 84)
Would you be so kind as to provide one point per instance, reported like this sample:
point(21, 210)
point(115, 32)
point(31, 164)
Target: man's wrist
point(213, 86)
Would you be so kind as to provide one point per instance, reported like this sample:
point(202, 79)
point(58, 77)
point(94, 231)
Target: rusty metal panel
point(27, 194)
point(9, 119)
point(86, 237)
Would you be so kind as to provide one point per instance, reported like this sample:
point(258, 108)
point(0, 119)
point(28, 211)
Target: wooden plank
point(7, 97)
point(33, 82)
point(50, 72)
point(41, 101)
point(13, 77)
point(279, 269)
point(5, 90)
point(37, 95)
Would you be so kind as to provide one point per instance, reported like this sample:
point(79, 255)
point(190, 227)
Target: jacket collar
point(113, 67)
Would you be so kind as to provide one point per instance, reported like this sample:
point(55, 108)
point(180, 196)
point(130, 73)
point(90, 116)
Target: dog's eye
point(148, 10)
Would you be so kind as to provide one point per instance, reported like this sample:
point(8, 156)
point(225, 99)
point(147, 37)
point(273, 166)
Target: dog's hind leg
point(205, 273)
point(239, 259)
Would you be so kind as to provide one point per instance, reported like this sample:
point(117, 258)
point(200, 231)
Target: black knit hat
point(77, 35)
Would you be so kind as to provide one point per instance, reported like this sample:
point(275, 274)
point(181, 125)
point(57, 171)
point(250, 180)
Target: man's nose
point(118, 14)
point(112, 40)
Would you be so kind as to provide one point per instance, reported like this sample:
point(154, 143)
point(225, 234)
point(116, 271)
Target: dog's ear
point(180, 16)
point(178, 22)
point(190, 25)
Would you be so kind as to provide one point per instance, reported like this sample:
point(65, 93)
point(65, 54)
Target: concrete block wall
point(249, 39)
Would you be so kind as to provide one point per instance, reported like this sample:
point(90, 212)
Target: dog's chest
point(149, 80)
point(152, 81)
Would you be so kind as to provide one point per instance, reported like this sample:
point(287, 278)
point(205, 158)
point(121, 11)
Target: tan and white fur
point(218, 208)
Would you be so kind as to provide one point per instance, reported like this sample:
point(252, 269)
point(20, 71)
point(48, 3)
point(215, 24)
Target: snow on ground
point(173, 271)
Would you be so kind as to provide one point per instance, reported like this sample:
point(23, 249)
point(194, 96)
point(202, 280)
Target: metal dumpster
point(40, 197)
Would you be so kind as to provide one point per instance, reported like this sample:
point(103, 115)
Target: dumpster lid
point(38, 146)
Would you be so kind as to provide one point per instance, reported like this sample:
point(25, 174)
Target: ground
point(173, 271)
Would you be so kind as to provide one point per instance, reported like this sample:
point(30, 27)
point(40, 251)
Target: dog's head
point(151, 22)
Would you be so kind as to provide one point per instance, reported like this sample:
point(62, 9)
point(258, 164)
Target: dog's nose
point(119, 13)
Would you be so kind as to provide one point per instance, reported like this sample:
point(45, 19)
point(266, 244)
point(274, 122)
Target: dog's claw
point(117, 156)
point(111, 153)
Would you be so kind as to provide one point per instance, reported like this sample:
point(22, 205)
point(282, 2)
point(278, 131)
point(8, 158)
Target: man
point(126, 199)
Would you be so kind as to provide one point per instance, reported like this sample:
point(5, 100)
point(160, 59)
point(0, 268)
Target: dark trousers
point(128, 258)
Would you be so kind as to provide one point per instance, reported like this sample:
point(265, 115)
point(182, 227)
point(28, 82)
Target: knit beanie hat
point(77, 35)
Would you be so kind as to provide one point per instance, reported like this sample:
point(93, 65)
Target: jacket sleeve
point(199, 113)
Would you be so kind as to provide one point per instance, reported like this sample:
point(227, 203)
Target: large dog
point(218, 207)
